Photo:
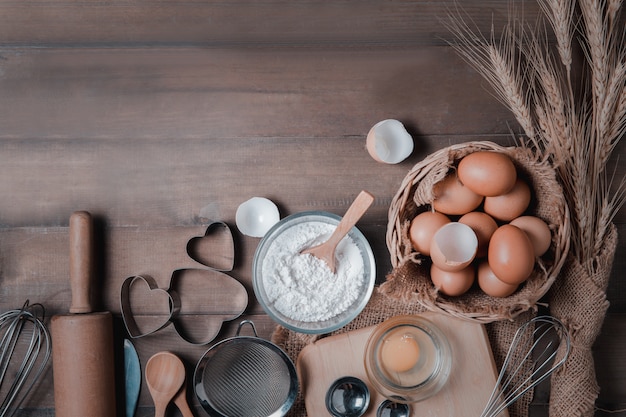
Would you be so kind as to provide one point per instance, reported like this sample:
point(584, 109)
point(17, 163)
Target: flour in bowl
point(303, 287)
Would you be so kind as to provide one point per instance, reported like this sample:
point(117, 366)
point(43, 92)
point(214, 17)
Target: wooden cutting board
point(466, 393)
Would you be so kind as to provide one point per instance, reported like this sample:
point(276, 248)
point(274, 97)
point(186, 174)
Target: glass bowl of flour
point(299, 291)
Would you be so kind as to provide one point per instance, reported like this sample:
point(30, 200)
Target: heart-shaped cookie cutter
point(134, 330)
point(226, 260)
point(225, 263)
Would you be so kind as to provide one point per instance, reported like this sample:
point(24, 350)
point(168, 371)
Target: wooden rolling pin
point(82, 341)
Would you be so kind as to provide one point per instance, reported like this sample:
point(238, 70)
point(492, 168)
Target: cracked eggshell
point(389, 142)
point(453, 247)
point(256, 216)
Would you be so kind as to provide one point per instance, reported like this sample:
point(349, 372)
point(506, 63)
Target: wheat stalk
point(560, 14)
point(497, 64)
point(613, 9)
point(577, 132)
point(595, 47)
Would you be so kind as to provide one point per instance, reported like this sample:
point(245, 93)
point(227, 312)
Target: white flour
point(302, 287)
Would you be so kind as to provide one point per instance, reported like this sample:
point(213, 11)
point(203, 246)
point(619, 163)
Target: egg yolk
point(399, 353)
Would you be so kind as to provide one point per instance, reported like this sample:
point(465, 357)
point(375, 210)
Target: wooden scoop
point(165, 376)
point(326, 251)
point(181, 402)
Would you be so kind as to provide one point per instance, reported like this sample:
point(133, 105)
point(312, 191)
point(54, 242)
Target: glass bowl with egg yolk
point(407, 359)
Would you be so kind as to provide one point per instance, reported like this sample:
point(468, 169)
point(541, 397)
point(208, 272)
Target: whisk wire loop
point(26, 327)
point(530, 359)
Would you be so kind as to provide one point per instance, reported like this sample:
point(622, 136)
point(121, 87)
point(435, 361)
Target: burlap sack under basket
point(408, 289)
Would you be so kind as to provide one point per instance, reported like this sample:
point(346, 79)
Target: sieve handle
point(243, 323)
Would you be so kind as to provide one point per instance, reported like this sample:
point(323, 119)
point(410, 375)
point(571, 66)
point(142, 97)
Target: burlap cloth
point(578, 299)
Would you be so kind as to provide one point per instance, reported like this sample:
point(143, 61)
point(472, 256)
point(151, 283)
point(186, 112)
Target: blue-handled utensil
point(132, 377)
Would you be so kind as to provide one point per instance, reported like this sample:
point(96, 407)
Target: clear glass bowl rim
point(427, 388)
point(333, 323)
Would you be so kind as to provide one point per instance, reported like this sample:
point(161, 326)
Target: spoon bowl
point(326, 250)
point(165, 376)
point(347, 397)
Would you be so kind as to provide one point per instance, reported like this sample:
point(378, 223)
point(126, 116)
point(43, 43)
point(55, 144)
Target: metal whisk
point(22, 330)
point(529, 361)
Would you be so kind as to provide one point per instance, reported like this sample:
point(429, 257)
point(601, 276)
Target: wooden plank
point(155, 183)
point(198, 93)
point(35, 264)
point(148, 189)
point(238, 22)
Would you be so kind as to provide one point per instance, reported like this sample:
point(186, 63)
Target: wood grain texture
point(159, 117)
point(216, 93)
point(240, 22)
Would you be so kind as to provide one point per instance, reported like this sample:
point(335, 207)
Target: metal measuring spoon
point(347, 397)
point(389, 408)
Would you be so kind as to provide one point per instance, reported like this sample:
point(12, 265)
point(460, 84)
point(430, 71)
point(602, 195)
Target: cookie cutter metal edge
point(127, 314)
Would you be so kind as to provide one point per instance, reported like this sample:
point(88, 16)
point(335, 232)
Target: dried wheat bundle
point(574, 124)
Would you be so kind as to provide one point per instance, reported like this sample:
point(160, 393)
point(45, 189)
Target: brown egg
point(491, 284)
point(452, 197)
point(453, 246)
point(423, 228)
point(487, 173)
point(483, 225)
point(508, 206)
point(511, 254)
point(453, 283)
point(537, 230)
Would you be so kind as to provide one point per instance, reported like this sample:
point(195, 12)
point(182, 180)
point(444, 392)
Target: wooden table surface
point(160, 116)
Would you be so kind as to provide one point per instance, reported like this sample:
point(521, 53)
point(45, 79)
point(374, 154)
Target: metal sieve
point(245, 376)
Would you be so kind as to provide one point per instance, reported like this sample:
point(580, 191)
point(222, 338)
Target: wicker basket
point(415, 196)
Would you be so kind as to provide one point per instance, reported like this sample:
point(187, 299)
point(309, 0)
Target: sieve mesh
point(246, 379)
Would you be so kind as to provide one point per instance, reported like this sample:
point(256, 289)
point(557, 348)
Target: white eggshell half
point(453, 247)
point(256, 216)
point(389, 142)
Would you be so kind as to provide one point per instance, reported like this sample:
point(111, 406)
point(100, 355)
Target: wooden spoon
point(181, 401)
point(165, 375)
point(326, 251)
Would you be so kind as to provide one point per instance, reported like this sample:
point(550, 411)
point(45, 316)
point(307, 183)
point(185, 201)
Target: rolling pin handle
point(81, 232)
